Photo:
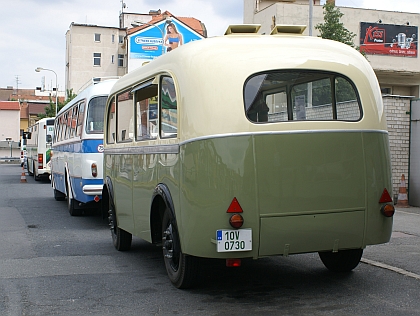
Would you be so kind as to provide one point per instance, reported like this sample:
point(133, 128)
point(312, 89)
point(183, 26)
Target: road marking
point(388, 267)
point(399, 211)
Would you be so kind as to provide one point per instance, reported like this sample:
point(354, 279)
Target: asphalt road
point(55, 264)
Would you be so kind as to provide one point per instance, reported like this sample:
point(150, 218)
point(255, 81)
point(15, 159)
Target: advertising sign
point(156, 40)
point(388, 39)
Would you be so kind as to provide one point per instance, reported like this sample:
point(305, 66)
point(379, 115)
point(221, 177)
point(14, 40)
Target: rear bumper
point(92, 189)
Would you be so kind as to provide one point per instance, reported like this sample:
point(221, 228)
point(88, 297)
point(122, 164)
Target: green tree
point(50, 109)
point(333, 28)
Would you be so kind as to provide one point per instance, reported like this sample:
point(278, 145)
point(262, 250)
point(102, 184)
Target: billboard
point(160, 38)
point(388, 39)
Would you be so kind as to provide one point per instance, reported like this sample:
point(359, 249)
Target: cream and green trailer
point(247, 146)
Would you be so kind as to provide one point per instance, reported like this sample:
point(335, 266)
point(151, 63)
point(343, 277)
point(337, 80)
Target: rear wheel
point(29, 169)
point(36, 177)
point(182, 269)
point(120, 238)
point(72, 204)
point(341, 261)
point(59, 196)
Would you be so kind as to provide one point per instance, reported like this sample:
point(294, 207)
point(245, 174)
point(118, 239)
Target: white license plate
point(234, 240)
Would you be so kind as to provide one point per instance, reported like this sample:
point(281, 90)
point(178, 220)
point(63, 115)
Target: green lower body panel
point(286, 235)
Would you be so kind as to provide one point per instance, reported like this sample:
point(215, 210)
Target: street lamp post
point(10, 142)
point(161, 32)
point(38, 69)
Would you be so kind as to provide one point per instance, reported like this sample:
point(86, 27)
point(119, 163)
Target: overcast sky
point(33, 31)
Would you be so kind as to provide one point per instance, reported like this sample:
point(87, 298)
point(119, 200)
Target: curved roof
point(210, 76)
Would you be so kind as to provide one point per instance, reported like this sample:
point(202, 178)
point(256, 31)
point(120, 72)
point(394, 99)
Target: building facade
point(100, 51)
point(9, 129)
point(93, 51)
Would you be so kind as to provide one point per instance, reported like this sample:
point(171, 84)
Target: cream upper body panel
point(210, 75)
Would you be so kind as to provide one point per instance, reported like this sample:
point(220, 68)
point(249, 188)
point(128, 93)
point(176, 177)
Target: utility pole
point(17, 86)
point(311, 13)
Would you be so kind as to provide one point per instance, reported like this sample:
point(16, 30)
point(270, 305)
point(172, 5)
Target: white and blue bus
point(78, 147)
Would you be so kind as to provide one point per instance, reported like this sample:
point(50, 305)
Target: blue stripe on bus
point(78, 189)
point(84, 146)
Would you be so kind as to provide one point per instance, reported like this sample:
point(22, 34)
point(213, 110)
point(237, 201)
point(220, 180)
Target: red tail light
point(233, 262)
point(40, 161)
point(94, 169)
point(236, 221)
point(387, 210)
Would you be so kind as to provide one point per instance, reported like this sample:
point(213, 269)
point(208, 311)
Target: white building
point(9, 129)
point(93, 51)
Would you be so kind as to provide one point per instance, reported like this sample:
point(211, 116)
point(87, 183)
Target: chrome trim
point(280, 133)
point(92, 189)
point(142, 150)
point(174, 149)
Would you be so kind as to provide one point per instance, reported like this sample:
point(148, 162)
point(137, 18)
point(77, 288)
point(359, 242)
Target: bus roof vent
point(288, 29)
point(243, 29)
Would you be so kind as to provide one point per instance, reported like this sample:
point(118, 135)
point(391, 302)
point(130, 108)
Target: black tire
point(29, 171)
point(37, 178)
point(182, 269)
point(341, 261)
point(120, 238)
point(59, 196)
point(72, 204)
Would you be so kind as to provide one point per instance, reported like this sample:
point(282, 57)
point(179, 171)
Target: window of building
point(112, 38)
point(120, 39)
point(96, 59)
point(300, 95)
point(97, 37)
point(112, 59)
point(168, 108)
point(120, 60)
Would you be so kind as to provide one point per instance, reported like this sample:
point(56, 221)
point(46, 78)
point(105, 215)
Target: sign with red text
point(388, 39)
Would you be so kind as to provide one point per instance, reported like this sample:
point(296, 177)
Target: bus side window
point(146, 107)
point(125, 112)
point(111, 123)
point(80, 118)
point(168, 108)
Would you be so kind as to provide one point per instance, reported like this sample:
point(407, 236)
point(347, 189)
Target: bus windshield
point(95, 115)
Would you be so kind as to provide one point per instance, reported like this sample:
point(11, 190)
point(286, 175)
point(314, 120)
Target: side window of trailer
point(168, 108)
point(300, 95)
